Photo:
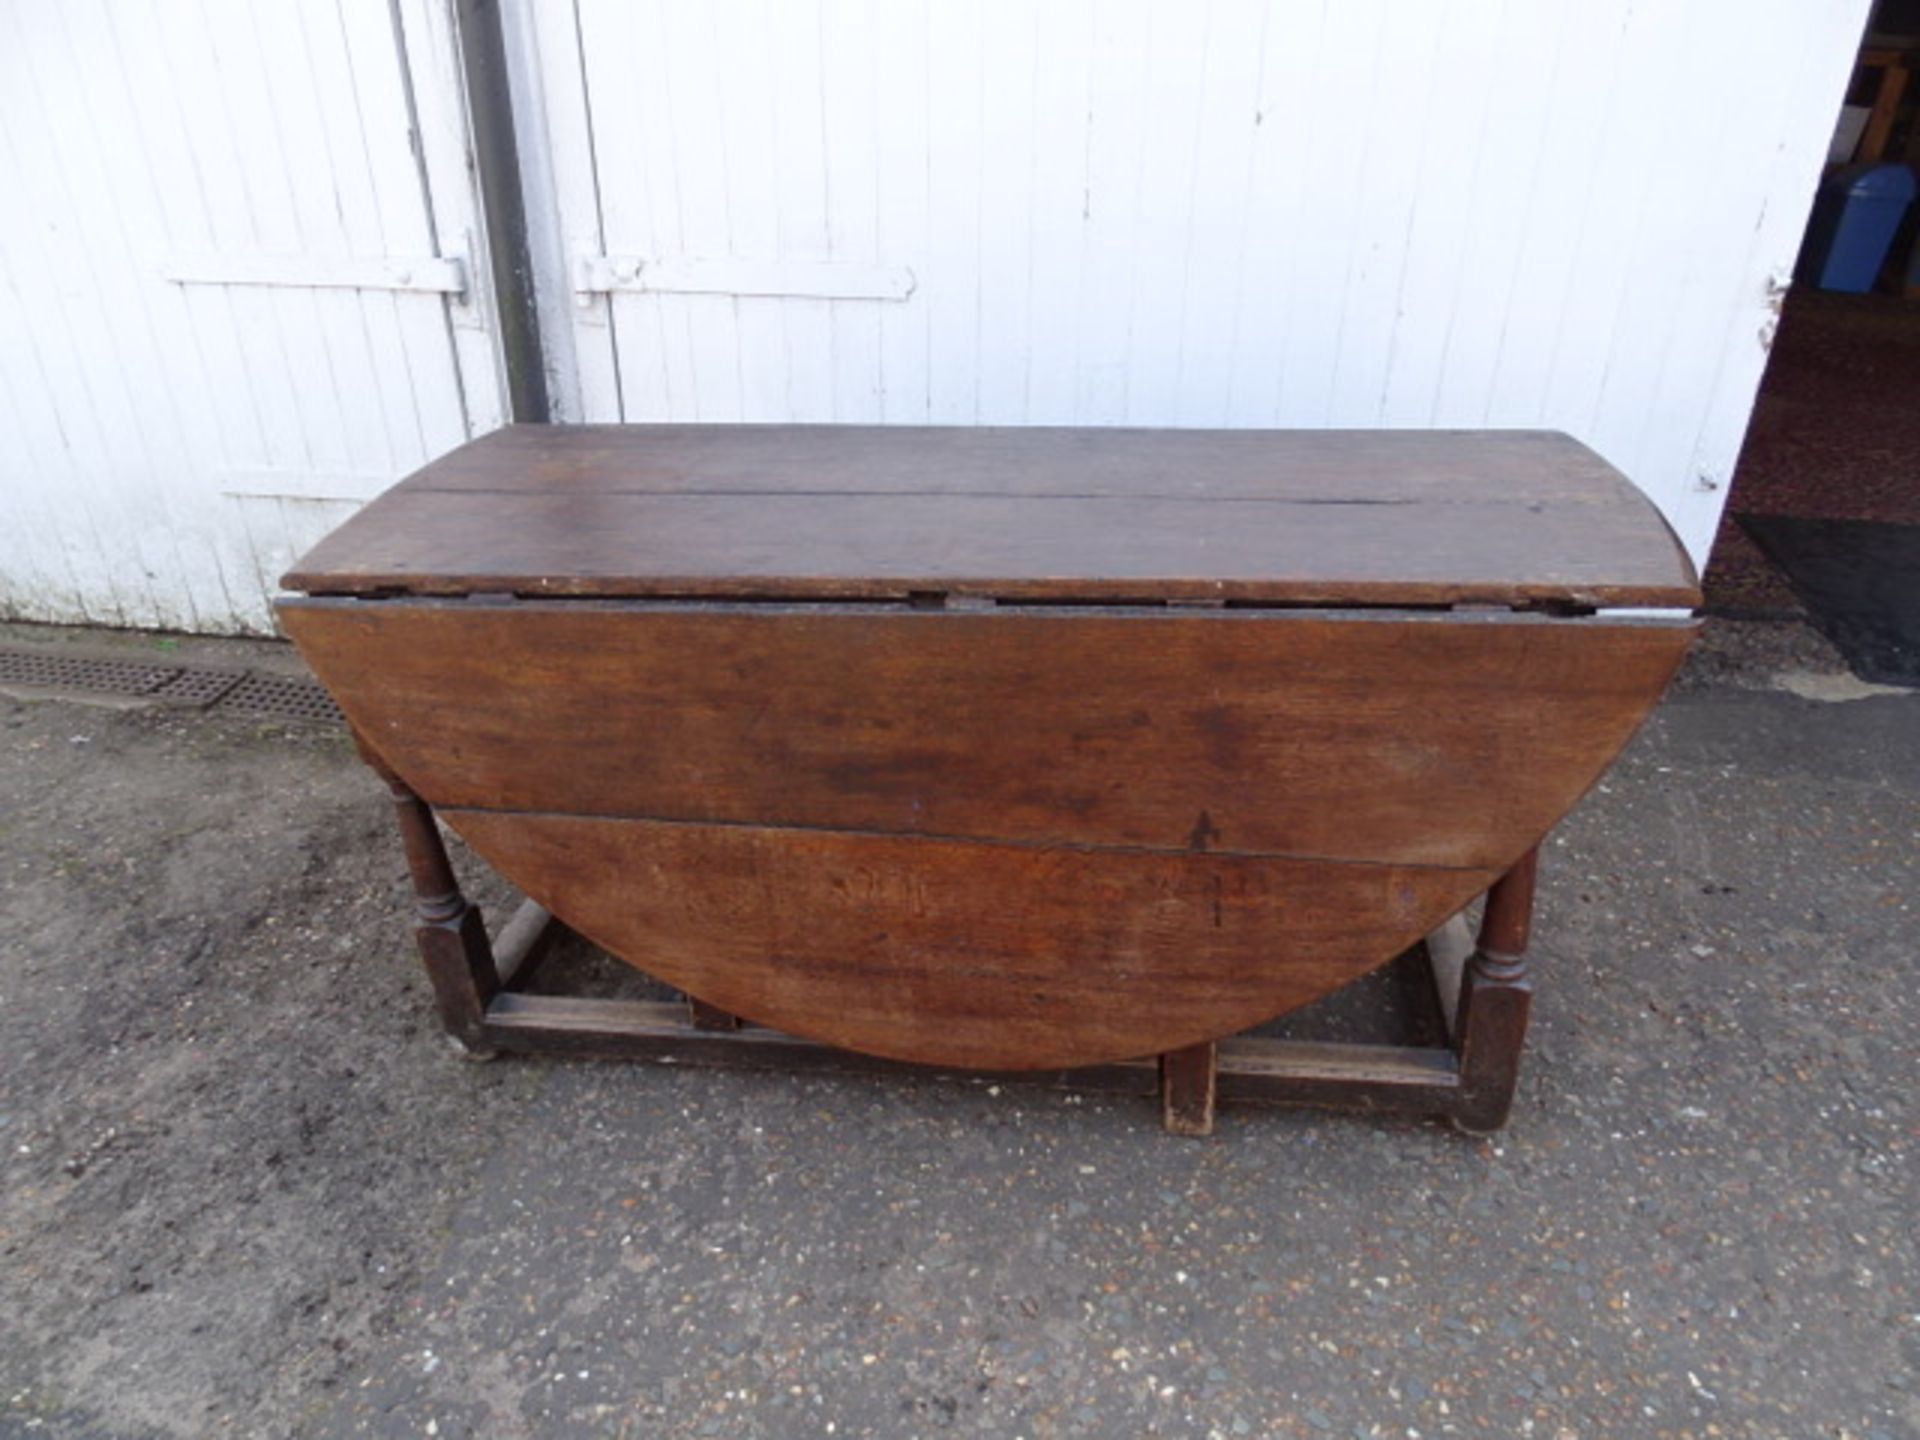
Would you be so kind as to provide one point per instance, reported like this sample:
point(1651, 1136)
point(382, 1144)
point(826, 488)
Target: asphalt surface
point(245, 1189)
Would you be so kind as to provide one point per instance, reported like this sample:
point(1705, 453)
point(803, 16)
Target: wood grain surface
point(811, 512)
point(961, 953)
point(1435, 740)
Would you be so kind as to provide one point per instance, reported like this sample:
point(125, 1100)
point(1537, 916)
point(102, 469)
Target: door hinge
point(596, 275)
point(427, 274)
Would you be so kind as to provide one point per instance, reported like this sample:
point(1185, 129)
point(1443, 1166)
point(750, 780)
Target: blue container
point(1854, 217)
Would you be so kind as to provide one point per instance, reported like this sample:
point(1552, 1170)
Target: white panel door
point(241, 290)
point(1141, 212)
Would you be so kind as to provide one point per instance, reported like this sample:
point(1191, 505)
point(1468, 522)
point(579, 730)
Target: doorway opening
point(1822, 525)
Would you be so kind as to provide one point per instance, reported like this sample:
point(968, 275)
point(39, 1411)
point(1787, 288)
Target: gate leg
point(1189, 1079)
point(447, 928)
point(1495, 998)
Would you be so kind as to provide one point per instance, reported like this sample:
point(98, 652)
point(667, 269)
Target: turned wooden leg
point(1189, 1080)
point(526, 940)
point(1495, 998)
point(448, 929)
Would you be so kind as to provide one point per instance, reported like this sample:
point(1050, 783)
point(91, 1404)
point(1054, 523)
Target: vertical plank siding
point(170, 447)
point(1115, 212)
point(1132, 212)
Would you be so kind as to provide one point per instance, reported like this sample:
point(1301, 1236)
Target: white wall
point(1560, 213)
point(169, 447)
point(1309, 212)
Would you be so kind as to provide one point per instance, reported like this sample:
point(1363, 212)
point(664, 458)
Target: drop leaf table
point(1011, 750)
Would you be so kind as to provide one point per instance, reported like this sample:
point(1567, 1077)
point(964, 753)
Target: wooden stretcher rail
point(1250, 1068)
point(1385, 1079)
point(660, 1030)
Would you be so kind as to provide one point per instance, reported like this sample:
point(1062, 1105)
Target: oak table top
point(1526, 519)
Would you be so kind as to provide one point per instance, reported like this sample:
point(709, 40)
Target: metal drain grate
point(70, 672)
point(293, 697)
point(289, 697)
point(201, 687)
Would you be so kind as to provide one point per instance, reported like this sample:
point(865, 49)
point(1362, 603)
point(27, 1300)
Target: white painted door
point(241, 289)
point(1141, 212)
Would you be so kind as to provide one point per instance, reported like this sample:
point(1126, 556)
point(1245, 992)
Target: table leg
point(710, 1017)
point(448, 928)
point(1495, 998)
point(1189, 1081)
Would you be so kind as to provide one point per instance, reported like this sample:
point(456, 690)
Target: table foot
point(1189, 1085)
point(448, 929)
point(703, 1016)
point(1496, 998)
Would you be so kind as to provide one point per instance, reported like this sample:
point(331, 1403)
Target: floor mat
point(1860, 579)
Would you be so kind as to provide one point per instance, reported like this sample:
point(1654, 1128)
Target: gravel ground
point(245, 1189)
